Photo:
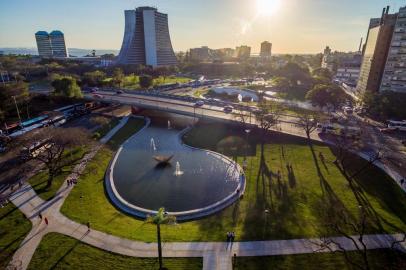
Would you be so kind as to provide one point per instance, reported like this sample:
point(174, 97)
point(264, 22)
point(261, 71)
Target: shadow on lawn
point(273, 207)
point(370, 181)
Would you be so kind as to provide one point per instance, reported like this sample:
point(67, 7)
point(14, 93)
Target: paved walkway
point(216, 255)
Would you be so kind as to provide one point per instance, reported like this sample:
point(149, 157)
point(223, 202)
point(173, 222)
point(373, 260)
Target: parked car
point(228, 109)
point(199, 103)
point(94, 90)
point(97, 96)
point(119, 92)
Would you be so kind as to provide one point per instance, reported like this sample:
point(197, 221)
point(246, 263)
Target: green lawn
point(57, 251)
point(39, 181)
point(131, 82)
point(103, 130)
point(13, 229)
point(295, 205)
point(378, 259)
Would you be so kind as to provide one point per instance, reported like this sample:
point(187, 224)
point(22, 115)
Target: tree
point(9, 92)
point(268, 117)
point(159, 219)
point(94, 78)
point(308, 122)
point(145, 81)
point(55, 141)
point(67, 87)
point(324, 95)
point(118, 76)
point(281, 83)
point(322, 72)
point(385, 105)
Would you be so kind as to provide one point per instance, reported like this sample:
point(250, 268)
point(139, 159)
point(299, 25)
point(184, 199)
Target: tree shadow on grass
point(364, 180)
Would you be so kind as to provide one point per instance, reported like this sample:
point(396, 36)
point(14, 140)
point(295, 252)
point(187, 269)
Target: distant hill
point(72, 51)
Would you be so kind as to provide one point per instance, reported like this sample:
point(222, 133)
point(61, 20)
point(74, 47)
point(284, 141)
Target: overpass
point(186, 106)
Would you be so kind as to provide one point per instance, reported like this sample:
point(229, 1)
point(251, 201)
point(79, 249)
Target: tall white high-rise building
point(58, 44)
point(43, 44)
point(394, 76)
point(51, 45)
point(146, 39)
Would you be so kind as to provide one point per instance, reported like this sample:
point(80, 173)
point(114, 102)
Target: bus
point(397, 125)
point(35, 149)
point(71, 111)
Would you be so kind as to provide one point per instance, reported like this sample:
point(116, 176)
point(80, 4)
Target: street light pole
point(18, 111)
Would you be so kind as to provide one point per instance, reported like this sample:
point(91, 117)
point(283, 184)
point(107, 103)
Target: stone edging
point(131, 209)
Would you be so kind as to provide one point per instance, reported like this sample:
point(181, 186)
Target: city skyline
point(339, 24)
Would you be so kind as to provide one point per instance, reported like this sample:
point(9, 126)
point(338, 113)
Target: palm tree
point(160, 218)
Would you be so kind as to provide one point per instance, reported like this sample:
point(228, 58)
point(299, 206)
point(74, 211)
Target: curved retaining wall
point(140, 212)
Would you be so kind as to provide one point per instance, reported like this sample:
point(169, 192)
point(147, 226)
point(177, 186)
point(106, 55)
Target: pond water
point(194, 179)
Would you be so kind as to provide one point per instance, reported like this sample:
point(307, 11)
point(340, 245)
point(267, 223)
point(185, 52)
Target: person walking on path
point(232, 237)
point(68, 182)
point(40, 216)
point(46, 220)
point(88, 226)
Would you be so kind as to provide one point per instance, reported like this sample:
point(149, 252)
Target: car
point(388, 130)
point(119, 92)
point(199, 103)
point(228, 109)
point(97, 96)
point(94, 90)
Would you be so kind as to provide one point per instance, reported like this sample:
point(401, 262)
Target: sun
point(267, 7)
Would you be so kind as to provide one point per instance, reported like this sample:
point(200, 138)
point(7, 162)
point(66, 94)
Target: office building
point(200, 54)
point(328, 60)
point(394, 76)
point(243, 52)
point(376, 53)
point(348, 69)
point(266, 50)
point(58, 44)
point(146, 39)
point(43, 44)
point(51, 45)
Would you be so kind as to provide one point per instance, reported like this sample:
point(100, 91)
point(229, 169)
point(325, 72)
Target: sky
point(293, 26)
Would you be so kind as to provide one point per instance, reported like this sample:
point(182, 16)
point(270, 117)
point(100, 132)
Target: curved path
point(216, 255)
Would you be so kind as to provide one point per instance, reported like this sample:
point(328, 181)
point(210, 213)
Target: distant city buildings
point(266, 50)
point(201, 54)
point(51, 45)
point(384, 55)
point(243, 52)
point(146, 39)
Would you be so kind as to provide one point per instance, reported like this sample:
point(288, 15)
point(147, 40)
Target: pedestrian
point(46, 220)
point(232, 237)
point(88, 226)
point(68, 182)
point(20, 184)
point(402, 181)
point(228, 236)
point(40, 216)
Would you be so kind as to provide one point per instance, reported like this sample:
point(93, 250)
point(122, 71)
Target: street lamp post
point(18, 111)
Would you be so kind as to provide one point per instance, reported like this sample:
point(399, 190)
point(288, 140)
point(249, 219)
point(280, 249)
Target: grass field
point(295, 204)
point(131, 82)
point(57, 251)
point(378, 260)
point(13, 229)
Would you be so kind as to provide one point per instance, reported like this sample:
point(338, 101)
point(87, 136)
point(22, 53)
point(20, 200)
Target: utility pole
point(18, 111)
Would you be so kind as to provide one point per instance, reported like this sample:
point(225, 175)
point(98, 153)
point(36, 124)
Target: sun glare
point(267, 7)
